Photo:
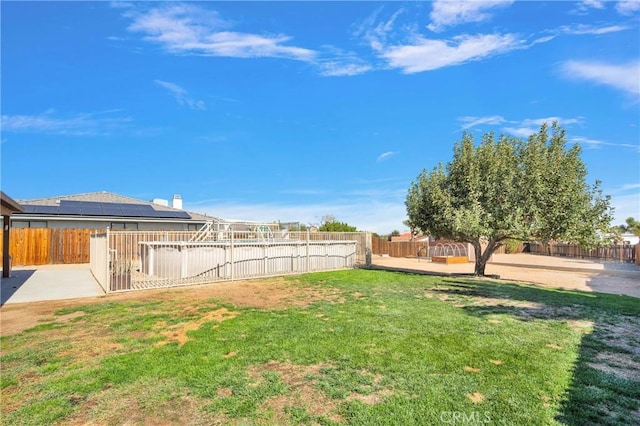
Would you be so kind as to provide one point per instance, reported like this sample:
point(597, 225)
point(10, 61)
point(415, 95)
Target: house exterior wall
point(26, 221)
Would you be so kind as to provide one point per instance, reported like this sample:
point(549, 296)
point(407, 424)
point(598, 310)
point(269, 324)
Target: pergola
point(9, 205)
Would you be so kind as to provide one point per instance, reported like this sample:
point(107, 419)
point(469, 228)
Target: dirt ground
point(273, 293)
point(552, 272)
point(278, 293)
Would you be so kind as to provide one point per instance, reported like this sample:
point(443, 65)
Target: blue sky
point(294, 110)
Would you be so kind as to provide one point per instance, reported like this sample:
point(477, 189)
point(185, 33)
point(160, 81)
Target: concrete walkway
point(49, 282)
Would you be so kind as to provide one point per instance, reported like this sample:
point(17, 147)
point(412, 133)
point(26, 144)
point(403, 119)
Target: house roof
point(108, 197)
point(9, 205)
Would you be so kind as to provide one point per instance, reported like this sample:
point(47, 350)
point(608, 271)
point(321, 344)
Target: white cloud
point(631, 186)
point(521, 132)
point(622, 77)
point(376, 214)
point(87, 124)
point(336, 62)
point(562, 121)
point(447, 13)
point(628, 7)
point(593, 4)
point(338, 69)
point(590, 29)
point(585, 6)
point(520, 128)
point(470, 122)
point(181, 95)
point(428, 54)
point(376, 35)
point(386, 156)
point(596, 144)
point(529, 126)
point(189, 29)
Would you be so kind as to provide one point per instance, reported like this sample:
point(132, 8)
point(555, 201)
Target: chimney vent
point(177, 202)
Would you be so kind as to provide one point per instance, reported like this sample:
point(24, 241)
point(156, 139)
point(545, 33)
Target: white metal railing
point(152, 259)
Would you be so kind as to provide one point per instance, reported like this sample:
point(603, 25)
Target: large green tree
point(502, 189)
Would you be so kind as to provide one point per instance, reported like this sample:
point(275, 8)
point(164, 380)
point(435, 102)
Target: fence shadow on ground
point(12, 284)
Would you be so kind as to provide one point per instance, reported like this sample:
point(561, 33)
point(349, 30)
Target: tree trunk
point(483, 257)
point(480, 264)
point(479, 268)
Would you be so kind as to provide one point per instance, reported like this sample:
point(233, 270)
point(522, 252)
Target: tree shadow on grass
point(605, 383)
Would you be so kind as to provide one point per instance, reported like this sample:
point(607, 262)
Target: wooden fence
point(410, 248)
point(397, 248)
point(619, 253)
point(43, 246)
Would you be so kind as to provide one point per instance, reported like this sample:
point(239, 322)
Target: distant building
point(101, 210)
point(408, 237)
point(629, 238)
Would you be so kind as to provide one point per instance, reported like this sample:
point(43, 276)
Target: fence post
point(107, 278)
point(231, 254)
point(307, 262)
point(367, 249)
point(265, 258)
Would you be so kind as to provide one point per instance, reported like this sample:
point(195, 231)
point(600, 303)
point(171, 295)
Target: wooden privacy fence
point(43, 246)
point(397, 248)
point(619, 253)
point(404, 248)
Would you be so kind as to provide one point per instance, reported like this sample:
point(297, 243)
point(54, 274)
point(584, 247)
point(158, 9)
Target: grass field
point(347, 347)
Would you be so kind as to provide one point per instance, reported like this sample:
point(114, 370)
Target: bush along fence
point(130, 260)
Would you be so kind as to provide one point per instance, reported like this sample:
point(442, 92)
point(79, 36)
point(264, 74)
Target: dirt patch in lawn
point(178, 333)
point(277, 293)
point(146, 402)
point(303, 392)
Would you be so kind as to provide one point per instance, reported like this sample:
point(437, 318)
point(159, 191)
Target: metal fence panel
point(151, 259)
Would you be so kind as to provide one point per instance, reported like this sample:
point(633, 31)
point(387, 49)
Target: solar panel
point(109, 209)
point(93, 211)
point(174, 215)
point(90, 208)
point(130, 211)
point(69, 207)
point(40, 209)
point(146, 209)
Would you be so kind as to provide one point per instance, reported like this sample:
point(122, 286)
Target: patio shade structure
point(9, 205)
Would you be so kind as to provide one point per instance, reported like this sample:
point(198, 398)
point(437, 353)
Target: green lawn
point(373, 347)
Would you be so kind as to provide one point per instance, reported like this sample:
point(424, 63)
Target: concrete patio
point(49, 282)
